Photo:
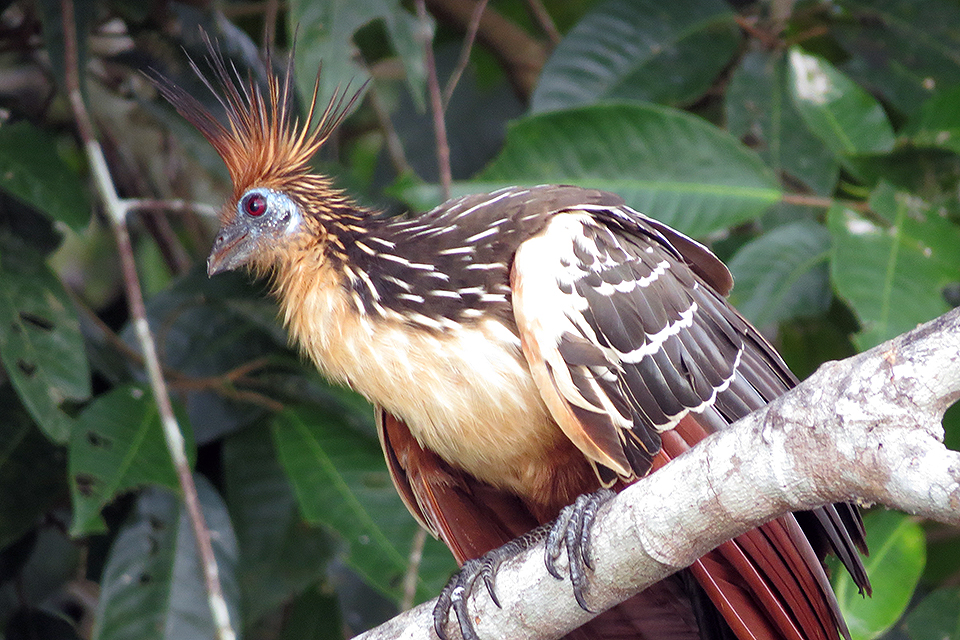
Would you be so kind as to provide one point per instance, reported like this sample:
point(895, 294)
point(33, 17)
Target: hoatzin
point(522, 347)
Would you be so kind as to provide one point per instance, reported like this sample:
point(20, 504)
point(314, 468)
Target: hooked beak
point(230, 250)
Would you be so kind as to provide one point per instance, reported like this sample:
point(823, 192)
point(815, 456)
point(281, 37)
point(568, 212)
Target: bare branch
point(521, 55)
point(117, 211)
point(464, 58)
point(436, 102)
point(866, 428)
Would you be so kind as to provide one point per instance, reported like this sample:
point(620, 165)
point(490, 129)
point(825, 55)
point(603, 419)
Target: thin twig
point(822, 202)
point(436, 103)
point(464, 59)
point(394, 146)
point(117, 210)
point(413, 569)
point(171, 206)
point(546, 23)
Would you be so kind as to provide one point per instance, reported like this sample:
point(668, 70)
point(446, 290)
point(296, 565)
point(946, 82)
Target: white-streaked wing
point(624, 339)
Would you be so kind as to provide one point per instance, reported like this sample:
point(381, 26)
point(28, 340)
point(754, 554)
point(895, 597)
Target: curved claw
point(572, 530)
point(455, 594)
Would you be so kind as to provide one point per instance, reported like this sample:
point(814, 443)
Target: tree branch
point(867, 428)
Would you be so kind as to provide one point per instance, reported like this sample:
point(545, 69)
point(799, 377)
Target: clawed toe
point(570, 532)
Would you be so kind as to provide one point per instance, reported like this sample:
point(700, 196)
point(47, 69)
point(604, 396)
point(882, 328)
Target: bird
point(521, 348)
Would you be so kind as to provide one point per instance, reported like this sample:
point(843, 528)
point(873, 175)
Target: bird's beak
point(230, 250)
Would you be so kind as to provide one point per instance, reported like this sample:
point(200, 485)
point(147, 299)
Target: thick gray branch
point(867, 428)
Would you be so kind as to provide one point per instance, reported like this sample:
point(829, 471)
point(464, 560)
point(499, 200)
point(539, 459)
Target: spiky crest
point(263, 144)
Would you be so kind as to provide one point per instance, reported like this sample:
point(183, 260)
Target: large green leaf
point(782, 274)
point(937, 617)
point(40, 342)
point(759, 109)
point(117, 445)
point(904, 50)
point(325, 33)
point(897, 556)
point(665, 163)
point(667, 52)
point(152, 586)
point(280, 554)
point(31, 170)
point(341, 481)
point(891, 269)
point(845, 117)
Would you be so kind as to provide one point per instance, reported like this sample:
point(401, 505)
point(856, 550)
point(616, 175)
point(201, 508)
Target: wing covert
point(623, 337)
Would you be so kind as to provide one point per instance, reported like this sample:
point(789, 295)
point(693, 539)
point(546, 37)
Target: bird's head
point(277, 199)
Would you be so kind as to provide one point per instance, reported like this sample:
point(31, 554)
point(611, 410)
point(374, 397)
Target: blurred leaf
point(30, 166)
point(314, 616)
point(40, 342)
point(28, 624)
point(152, 586)
point(938, 122)
point(897, 556)
point(51, 16)
point(782, 274)
point(806, 343)
point(937, 617)
point(198, 323)
point(758, 108)
point(117, 445)
point(280, 555)
point(341, 481)
point(903, 50)
point(31, 471)
point(639, 50)
point(892, 271)
point(668, 164)
point(844, 116)
point(325, 31)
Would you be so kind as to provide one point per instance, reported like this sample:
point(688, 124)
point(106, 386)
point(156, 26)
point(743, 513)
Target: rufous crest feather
point(263, 143)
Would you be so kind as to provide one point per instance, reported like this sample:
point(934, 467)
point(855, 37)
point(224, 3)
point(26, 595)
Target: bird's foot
point(571, 530)
point(456, 593)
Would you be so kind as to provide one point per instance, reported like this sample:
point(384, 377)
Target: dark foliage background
point(814, 144)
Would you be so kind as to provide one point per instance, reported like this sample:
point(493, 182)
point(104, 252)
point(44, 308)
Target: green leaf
point(117, 445)
point(31, 470)
point(280, 554)
point(782, 274)
point(32, 171)
point(758, 108)
point(341, 481)
point(938, 122)
point(313, 616)
point(845, 117)
point(152, 586)
point(891, 270)
point(639, 50)
point(325, 33)
point(903, 50)
point(40, 342)
point(937, 617)
point(665, 163)
point(897, 556)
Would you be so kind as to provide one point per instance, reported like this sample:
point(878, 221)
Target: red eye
point(254, 205)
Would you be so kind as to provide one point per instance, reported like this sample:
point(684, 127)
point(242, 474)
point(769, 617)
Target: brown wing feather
point(473, 518)
point(635, 352)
